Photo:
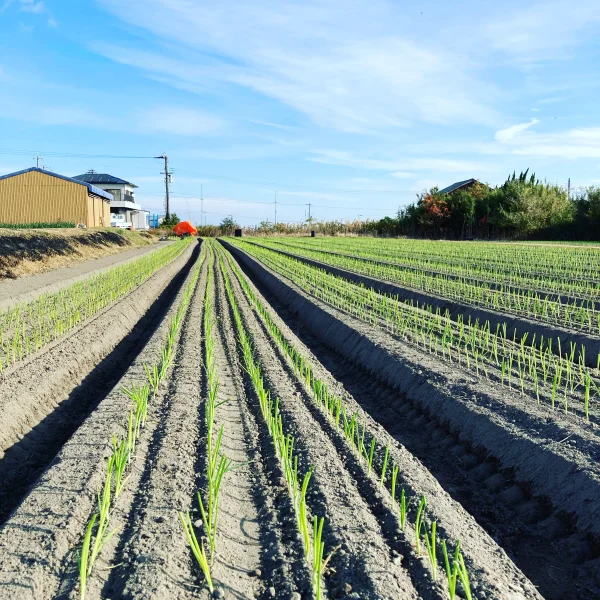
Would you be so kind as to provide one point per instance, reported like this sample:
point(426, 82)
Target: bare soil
point(516, 485)
point(30, 251)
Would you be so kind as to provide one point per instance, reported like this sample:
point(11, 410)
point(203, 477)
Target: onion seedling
point(371, 453)
point(403, 509)
point(318, 551)
point(198, 549)
point(419, 523)
point(384, 467)
point(463, 575)
point(84, 557)
point(431, 544)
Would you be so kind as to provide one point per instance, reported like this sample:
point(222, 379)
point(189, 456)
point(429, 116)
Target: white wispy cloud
point(578, 143)
point(349, 70)
point(32, 7)
point(397, 166)
point(273, 125)
point(505, 135)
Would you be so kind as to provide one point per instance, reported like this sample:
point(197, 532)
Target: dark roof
point(102, 178)
point(92, 189)
point(457, 185)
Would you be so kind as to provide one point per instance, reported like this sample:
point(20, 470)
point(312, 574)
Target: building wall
point(106, 214)
point(36, 197)
point(98, 212)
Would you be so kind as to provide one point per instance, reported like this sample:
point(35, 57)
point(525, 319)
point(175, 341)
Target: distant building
point(38, 196)
point(156, 220)
point(459, 185)
point(125, 212)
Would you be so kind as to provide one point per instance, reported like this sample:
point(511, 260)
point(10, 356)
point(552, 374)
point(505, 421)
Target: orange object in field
point(183, 228)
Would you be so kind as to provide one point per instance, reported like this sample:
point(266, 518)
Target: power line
point(7, 151)
point(288, 186)
point(220, 198)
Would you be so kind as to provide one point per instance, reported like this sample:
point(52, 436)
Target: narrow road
point(28, 288)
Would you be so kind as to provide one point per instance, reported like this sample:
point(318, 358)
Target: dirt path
point(30, 287)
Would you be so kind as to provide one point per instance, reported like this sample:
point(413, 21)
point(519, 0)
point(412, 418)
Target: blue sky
point(351, 106)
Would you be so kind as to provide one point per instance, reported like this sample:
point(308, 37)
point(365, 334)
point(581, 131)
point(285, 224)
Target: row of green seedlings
point(547, 371)
point(575, 313)
point(498, 275)
point(217, 464)
point(28, 327)
point(314, 547)
point(123, 451)
point(558, 267)
point(39, 225)
point(355, 437)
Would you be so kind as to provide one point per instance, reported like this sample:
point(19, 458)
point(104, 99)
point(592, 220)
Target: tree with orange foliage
point(434, 210)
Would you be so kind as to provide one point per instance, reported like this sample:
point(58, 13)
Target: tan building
point(38, 196)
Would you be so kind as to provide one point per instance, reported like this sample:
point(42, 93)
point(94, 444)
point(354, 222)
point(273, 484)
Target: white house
point(124, 211)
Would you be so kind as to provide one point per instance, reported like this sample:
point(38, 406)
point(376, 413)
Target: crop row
point(493, 260)
point(217, 464)
point(374, 455)
point(284, 445)
point(579, 314)
point(28, 327)
point(495, 277)
point(39, 225)
point(97, 531)
point(542, 369)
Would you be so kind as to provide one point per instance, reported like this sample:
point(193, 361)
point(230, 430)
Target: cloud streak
point(505, 135)
point(348, 70)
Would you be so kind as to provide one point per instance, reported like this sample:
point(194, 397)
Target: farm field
point(306, 418)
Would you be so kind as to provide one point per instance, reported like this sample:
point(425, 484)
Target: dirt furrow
point(450, 423)
point(259, 488)
point(39, 542)
point(494, 575)
point(364, 565)
point(149, 556)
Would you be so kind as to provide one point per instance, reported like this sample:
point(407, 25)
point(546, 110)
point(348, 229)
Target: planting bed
point(249, 432)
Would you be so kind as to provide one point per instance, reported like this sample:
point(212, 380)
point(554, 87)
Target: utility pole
point(569, 189)
point(37, 160)
point(309, 217)
point(201, 204)
point(275, 209)
point(167, 175)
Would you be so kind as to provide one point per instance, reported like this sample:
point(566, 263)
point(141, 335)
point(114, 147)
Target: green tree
point(171, 221)
point(227, 225)
point(524, 205)
point(593, 200)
